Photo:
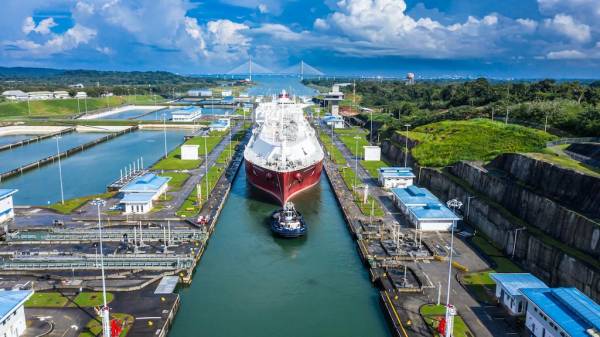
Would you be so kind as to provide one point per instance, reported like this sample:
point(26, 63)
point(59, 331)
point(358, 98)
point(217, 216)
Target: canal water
point(129, 114)
point(90, 171)
point(5, 140)
point(18, 156)
point(250, 283)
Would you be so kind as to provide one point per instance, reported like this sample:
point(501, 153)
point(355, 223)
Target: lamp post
point(62, 194)
point(105, 311)
point(371, 134)
point(165, 132)
point(206, 165)
point(512, 256)
point(356, 138)
point(406, 146)
point(450, 311)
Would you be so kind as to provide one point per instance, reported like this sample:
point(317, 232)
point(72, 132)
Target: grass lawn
point(480, 283)
point(433, 314)
point(191, 206)
point(177, 179)
point(347, 137)
point(71, 205)
point(56, 300)
point(348, 176)
point(373, 167)
point(56, 107)
point(334, 152)
point(174, 161)
point(447, 142)
point(94, 328)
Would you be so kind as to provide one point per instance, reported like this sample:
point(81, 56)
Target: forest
point(563, 107)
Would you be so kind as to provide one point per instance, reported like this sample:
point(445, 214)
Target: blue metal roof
point(10, 299)
point(569, 308)
point(336, 118)
point(403, 172)
point(137, 198)
point(514, 282)
point(414, 196)
point(433, 210)
point(149, 182)
point(4, 192)
point(190, 110)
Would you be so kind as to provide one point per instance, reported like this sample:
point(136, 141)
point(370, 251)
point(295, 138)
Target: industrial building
point(395, 177)
point(561, 312)
point(187, 114)
point(423, 209)
point(81, 94)
point(12, 313)
point(220, 124)
point(61, 94)
point(226, 93)
point(139, 194)
point(508, 290)
point(6, 205)
point(15, 95)
point(40, 95)
point(333, 98)
point(189, 152)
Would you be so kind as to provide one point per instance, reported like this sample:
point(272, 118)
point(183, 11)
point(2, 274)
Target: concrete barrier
point(23, 142)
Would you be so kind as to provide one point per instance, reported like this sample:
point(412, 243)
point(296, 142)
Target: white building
point(336, 121)
point(76, 86)
point(226, 93)
point(108, 94)
point(61, 94)
point(188, 114)
point(220, 124)
point(142, 191)
point(561, 312)
point(15, 95)
point(372, 153)
point(189, 152)
point(395, 177)
point(423, 209)
point(333, 98)
point(40, 95)
point(12, 314)
point(6, 205)
point(81, 95)
point(508, 290)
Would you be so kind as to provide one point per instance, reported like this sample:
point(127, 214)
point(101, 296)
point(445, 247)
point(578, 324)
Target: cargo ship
point(283, 156)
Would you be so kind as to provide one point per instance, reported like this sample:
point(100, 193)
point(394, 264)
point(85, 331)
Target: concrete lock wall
point(495, 218)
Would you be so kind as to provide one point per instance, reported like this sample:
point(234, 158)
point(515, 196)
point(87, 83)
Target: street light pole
point(512, 256)
point(355, 160)
point(206, 165)
point(371, 134)
point(165, 132)
point(62, 194)
point(105, 310)
point(454, 205)
point(406, 146)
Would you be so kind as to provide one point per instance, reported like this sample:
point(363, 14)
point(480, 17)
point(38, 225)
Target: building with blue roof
point(336, 121)
point(187, 114)
point(7, 211)
point(411, 196)
point(220, 124)
point(12, 314)
point(395, 177)
point(434, 216)
point(561, 312)
point(139, 193)
point(508, 290)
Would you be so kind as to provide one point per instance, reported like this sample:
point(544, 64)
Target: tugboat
point(288, 222)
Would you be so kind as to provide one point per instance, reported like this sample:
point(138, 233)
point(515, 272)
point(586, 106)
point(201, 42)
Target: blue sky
point(500, 38)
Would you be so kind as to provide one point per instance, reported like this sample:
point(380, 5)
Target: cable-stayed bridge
point(252, 68)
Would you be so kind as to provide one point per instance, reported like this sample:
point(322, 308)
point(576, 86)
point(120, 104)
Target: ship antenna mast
point(281, 111)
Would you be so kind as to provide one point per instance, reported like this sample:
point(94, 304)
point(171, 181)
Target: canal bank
point(315, 286)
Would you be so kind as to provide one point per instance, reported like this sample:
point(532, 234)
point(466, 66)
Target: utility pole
point(356, 138)
point(105, 310)
point(206, 165)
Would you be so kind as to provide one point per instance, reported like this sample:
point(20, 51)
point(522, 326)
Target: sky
point(432, 38)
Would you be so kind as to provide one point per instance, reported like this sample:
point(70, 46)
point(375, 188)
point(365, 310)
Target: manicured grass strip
point(373, 167)
point(348, 176)
point(191, 206)
point(433, 314)
point(56, 107)
point(71, 205)
point(94, 328)
point(447, 142)
point(56, 300)
point(347, 136)
point(177, 179)
point(174, 161)
point(334, 152)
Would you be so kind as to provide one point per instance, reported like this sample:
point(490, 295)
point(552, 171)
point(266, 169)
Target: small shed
point(372, 153)
point(189, 152)
point(395, 177)
point(6, 204)
point(12, 313)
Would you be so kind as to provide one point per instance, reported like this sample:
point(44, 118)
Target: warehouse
point(508, 290)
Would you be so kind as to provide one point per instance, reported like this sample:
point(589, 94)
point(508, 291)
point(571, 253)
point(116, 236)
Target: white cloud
point(43, 27)
point(566, 55)
point(72, 38)
point(528, 24)
point(320, 24)
point(263, 8)
point(565, 25)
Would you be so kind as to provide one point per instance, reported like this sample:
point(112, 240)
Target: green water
point(251, 284)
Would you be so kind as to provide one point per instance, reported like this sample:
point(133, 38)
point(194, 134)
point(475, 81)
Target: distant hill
point(91, 77)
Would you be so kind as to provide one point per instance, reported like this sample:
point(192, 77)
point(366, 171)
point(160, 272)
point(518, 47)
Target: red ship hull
point(283, 185)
